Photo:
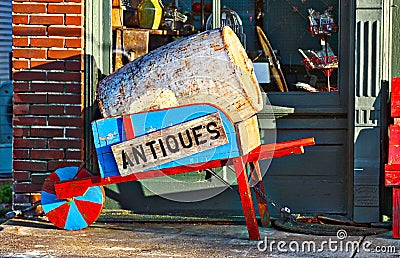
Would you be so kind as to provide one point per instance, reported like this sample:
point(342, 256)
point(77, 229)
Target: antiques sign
point(169, 144)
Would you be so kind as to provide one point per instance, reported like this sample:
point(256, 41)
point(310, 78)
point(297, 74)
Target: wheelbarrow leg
point(256, 177)
point(245, 198)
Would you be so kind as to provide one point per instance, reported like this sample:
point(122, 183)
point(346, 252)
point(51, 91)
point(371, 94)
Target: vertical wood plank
point(245, 198)
point(396, 213)
point(262, 202)
point(128, 127)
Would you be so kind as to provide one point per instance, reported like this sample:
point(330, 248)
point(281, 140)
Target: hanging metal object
point(231, 19)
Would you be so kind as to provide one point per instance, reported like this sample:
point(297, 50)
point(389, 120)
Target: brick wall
point(47, 71)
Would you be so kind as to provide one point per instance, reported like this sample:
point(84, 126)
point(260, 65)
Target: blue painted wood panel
point(109, 131)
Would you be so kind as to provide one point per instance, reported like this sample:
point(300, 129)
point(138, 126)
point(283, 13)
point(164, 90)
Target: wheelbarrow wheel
point(74, 213)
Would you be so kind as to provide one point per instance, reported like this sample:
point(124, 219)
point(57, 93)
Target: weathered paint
point(208, 67)
point(256, 179)
point(69, 189)
point(396, 213)
point(110, 131)
point(78, 211)
point(245, 198)
point(392, 169)
point(169, 144)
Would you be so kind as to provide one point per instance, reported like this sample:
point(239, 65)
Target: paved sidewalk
point(38, 238)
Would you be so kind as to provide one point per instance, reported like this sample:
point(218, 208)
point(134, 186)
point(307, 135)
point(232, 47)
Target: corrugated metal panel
point(5, 39)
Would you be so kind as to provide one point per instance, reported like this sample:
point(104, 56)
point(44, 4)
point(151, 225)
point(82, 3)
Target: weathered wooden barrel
point(210, 67)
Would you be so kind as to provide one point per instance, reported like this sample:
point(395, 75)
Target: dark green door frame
point(98, 45)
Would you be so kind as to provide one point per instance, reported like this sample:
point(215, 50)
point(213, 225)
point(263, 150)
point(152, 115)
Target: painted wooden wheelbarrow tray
point(170, 112)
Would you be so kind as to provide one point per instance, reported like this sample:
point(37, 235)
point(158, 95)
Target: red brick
point(27, 187)
point(20, 154)
point(29, 143)
point(47, 132)
point(64, 99)
point(47, 110)
point(65, 31)
point(29, 30)
point(46, 19)
point(20, 42)
point(20, 64)
point(74, 88)
point(47, 42)
point(74, 20)
point(20, 86)
point(74, 154)
point(77, 43)
point(29, 165)
point(19, 132)
point(73, 110)
point(65, 54)
point(19, 19)
point(64, 76)
point(23, 120)
point(65, 8)
point(74, 66)
point(53, 165)
point(75, 1)
point(28, 8)
point(65, 121)
point(75, 133)
point(29, 76)
point(29, 53)
point(21, 176)
point(66, 144)
point(47, 154)
point(30, 98)
point(38, 178)
point(47, 87)
point(47, 65)
point(21, 109)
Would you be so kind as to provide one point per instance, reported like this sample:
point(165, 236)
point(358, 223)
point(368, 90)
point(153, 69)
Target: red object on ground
point(72, 188)
point(392, 169)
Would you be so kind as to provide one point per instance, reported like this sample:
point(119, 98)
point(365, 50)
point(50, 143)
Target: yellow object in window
point(150, 13)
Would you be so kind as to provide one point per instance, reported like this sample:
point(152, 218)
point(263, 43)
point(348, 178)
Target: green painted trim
point(98, 45)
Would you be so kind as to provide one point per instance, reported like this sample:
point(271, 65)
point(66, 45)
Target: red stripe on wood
point(394, 134)
point(396, 213)
point(395, 97)
point(74, 189)
point(394, 153)
point(90, 211)
point(128, 127)
point(392, 167)
point(266, 152)
point(256, 177)
point(392, 178)
point(59, 215)
point(246, 199)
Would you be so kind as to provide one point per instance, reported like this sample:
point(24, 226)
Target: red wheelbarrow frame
point(77, 187)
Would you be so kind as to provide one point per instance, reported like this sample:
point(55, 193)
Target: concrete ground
point(108, 238)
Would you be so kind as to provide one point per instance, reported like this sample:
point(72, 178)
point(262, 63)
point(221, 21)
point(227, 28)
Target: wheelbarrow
point(161, 143)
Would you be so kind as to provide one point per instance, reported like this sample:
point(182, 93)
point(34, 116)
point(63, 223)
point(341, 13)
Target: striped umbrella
point(75, 213)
